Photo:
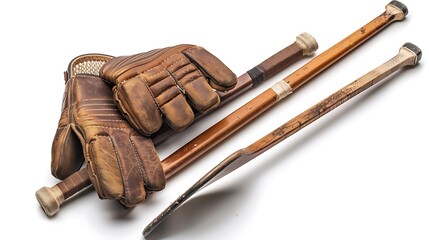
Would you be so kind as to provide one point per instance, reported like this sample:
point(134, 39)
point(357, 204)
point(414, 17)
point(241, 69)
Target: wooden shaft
point(51, 198)
point(232, 123)
point(330, 56)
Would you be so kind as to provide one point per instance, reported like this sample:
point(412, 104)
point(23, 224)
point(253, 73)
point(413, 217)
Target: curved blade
point(227, 166)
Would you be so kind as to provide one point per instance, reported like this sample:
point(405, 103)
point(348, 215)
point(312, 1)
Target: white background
point(361, 172)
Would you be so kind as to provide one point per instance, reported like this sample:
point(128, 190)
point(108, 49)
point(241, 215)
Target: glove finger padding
point(122, 164)
point(167, 83)
point(219, 75)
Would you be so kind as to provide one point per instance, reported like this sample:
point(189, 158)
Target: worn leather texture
point(168, 84)
point(122, 164)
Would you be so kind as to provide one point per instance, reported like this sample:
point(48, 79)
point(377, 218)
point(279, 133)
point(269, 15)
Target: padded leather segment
point(167, 84)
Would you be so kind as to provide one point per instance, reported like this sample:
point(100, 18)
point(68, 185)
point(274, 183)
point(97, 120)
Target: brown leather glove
point(165, 83)
point(122, 164)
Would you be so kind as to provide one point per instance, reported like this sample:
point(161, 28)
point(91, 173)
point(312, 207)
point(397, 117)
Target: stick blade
point(227, 166)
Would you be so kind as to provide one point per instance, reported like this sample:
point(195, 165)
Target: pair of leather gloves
point(107, 118)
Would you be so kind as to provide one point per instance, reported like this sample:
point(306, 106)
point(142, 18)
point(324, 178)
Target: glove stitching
point(103, 109)
point(91, 99)
point(82, 103)
point(143, 175)
point(131, 60)
point(149, 90)
point(175, 83)
point(116, 128)
point(164, 68)
point(177, 62)
point(161, 63)
point(165, 90)
point(108, 120)
point(190, 79)
point(154, 74)
point(104, 114)
point(147, 70)
point(159, 72)
point(169, 101)
point(95, 104)
point(188, 71)
point(100, 185)
point(170, 74)
point(213, 76)
point(124, 182)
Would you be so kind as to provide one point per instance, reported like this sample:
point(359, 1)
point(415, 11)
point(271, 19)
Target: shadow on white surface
point(201, 214)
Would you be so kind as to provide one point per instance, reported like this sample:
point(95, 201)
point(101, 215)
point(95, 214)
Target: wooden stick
point(409, 54)
point(50, 199)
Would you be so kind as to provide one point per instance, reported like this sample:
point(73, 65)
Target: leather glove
point(122, 164)
point(167, 83)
